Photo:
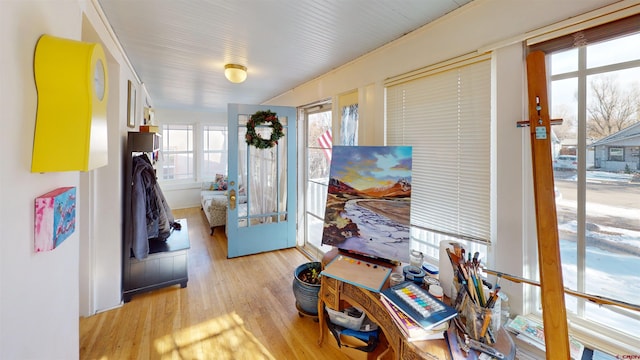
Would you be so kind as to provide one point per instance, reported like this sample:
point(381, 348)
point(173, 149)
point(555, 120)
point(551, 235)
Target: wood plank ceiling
point(179, 48)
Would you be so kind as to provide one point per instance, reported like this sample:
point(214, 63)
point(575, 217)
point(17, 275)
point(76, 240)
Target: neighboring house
point(618, 151)
point(567, 147)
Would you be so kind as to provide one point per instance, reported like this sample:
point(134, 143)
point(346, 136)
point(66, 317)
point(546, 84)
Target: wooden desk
point(335, 293)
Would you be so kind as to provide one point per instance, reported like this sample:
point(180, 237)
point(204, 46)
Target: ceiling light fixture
point(235, 73)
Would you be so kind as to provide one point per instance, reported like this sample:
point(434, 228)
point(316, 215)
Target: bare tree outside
point(611, 108)
point(566, 130)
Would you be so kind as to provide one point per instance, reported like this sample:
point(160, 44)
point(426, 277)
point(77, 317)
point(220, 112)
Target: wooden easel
point(554, 313)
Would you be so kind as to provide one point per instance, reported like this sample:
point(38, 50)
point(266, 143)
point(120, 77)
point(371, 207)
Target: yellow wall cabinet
point(71, 121)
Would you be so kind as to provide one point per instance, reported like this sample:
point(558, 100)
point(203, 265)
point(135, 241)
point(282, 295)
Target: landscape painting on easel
point(369, 201)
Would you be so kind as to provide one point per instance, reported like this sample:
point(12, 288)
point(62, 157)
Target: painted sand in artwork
point(369, 201)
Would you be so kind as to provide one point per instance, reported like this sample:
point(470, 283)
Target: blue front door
point(262, 184)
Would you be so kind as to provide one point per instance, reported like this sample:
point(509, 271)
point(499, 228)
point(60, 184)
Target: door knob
point(232, 199)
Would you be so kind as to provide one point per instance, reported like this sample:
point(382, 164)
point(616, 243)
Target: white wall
point(185, 116)
point(40, 292)
point(39, 299)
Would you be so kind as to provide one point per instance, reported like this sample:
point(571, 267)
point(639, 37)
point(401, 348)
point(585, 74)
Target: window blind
point(618, 28)
point(445, 116)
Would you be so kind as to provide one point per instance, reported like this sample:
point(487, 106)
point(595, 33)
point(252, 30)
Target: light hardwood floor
point(175, 323)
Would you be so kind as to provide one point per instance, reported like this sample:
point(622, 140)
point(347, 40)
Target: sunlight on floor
point(224, 337)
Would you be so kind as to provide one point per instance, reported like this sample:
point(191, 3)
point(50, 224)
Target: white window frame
point(201, 154)
point(304, 182)
point(166, 152)
point(616, 157)
point(590, 333)
point(198, 177)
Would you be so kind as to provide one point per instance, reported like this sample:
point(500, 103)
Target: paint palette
point(357, 272)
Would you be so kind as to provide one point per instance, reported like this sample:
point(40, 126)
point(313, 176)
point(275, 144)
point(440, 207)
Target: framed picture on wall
point(131, 105)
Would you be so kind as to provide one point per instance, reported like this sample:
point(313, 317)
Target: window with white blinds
point(445, 115)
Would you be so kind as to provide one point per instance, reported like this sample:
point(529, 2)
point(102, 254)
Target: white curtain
point(261, 174)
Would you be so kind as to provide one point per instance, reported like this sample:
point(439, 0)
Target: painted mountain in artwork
point(402, 188)
point(338, 187)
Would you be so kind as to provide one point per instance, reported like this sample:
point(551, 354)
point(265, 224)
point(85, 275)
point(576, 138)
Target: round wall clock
point(99, 84)
point(71, 123)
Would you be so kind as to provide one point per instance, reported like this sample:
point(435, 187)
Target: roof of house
point(629, 132)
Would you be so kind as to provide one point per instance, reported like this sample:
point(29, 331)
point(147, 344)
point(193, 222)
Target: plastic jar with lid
point(436, 291)
point(428, 281)
point(431, 270)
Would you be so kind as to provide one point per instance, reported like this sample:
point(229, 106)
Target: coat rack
point(554, 312)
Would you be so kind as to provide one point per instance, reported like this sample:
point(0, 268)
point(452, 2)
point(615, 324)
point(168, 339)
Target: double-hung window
point(214, 151)
point(595, 89)
point(192, 153)
point(177, 152)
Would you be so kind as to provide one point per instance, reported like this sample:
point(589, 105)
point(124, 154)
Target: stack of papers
point(411, 329)
point(532, 332)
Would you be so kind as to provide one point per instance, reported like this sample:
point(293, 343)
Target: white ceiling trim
point(600, 16)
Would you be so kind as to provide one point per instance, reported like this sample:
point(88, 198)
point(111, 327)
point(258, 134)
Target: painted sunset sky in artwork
point(369, 201)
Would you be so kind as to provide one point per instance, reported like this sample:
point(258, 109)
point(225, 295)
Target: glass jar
point(416, 258)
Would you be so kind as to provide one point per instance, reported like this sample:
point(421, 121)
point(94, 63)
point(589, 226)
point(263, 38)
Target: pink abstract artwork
point(55, 218)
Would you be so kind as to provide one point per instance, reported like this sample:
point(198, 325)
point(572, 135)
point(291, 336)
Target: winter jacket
point(151, 215)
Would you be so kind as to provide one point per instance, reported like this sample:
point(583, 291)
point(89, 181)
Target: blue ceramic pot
point(306, 294)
